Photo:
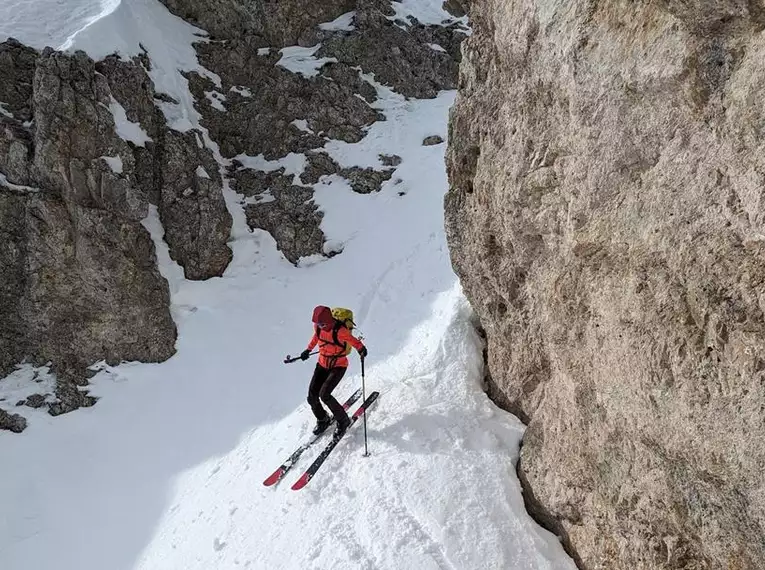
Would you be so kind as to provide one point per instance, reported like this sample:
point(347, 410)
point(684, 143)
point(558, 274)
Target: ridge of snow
point(302, 124)
point(125, 128)
point(294, 164)
point(427, 12)
point(216, 99)
point(17, 187)
point(343, 23)
point(168, 268)
point(243, 91)
point(301, 60)
point(114, 162)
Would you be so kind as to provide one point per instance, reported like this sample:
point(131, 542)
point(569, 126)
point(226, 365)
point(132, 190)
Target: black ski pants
point(323, 382)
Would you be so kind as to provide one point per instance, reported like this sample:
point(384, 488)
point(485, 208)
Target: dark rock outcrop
point(259, 22)
point(12, 422)
point(17, 64)
point(193, 213)
point(179, 174)
point(262, 108)
point(80, 280)
point(390, 160)
point(399, 54)
point(432, 140)
point(362, 180)
point(262, 122)
point(283, 209)
point(457, 8)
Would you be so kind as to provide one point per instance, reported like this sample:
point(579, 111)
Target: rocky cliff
point(605, 217)
point(79, 275)
point(80, 281)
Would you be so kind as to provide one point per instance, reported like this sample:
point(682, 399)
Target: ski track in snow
point(166, 470)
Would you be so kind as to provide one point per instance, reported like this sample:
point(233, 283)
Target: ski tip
point(275, 476)
point(300, 483)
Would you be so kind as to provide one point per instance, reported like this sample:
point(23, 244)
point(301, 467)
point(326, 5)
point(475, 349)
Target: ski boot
point(342, 426)
point(321, 425)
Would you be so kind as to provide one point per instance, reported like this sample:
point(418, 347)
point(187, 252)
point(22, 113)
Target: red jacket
point(331, 354)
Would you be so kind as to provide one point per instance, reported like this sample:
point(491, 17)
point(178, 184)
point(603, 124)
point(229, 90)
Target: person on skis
point(332, 336)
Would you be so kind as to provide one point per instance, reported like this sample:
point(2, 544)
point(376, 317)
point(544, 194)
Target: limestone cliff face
point(606, 218)
point(79, 280)
point(78, 271)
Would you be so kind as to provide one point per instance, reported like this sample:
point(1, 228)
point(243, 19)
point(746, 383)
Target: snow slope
point(166, 471)
point(50, 22)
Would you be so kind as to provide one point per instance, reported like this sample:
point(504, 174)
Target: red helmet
point(323, 316)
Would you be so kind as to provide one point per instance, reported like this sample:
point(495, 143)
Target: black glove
point(363, 352)
point(305, 354)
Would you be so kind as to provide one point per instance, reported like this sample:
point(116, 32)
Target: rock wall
point(79, 280)
point(605, 217)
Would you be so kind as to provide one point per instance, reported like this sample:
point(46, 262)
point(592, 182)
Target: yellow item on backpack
point(344, 316)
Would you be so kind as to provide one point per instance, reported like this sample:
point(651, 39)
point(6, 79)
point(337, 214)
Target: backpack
point(343, 317)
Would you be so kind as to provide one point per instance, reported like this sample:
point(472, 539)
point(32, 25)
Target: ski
point(314, 467)
point(277, 475)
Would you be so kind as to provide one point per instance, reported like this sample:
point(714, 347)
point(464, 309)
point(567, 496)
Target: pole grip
point(289, 359)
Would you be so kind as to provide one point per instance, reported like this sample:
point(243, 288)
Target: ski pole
point(363, 399)
point(288, 358)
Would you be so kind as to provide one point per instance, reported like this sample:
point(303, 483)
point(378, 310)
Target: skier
point(335, 341)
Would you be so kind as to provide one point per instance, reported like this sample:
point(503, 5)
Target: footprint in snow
point(218, 544)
